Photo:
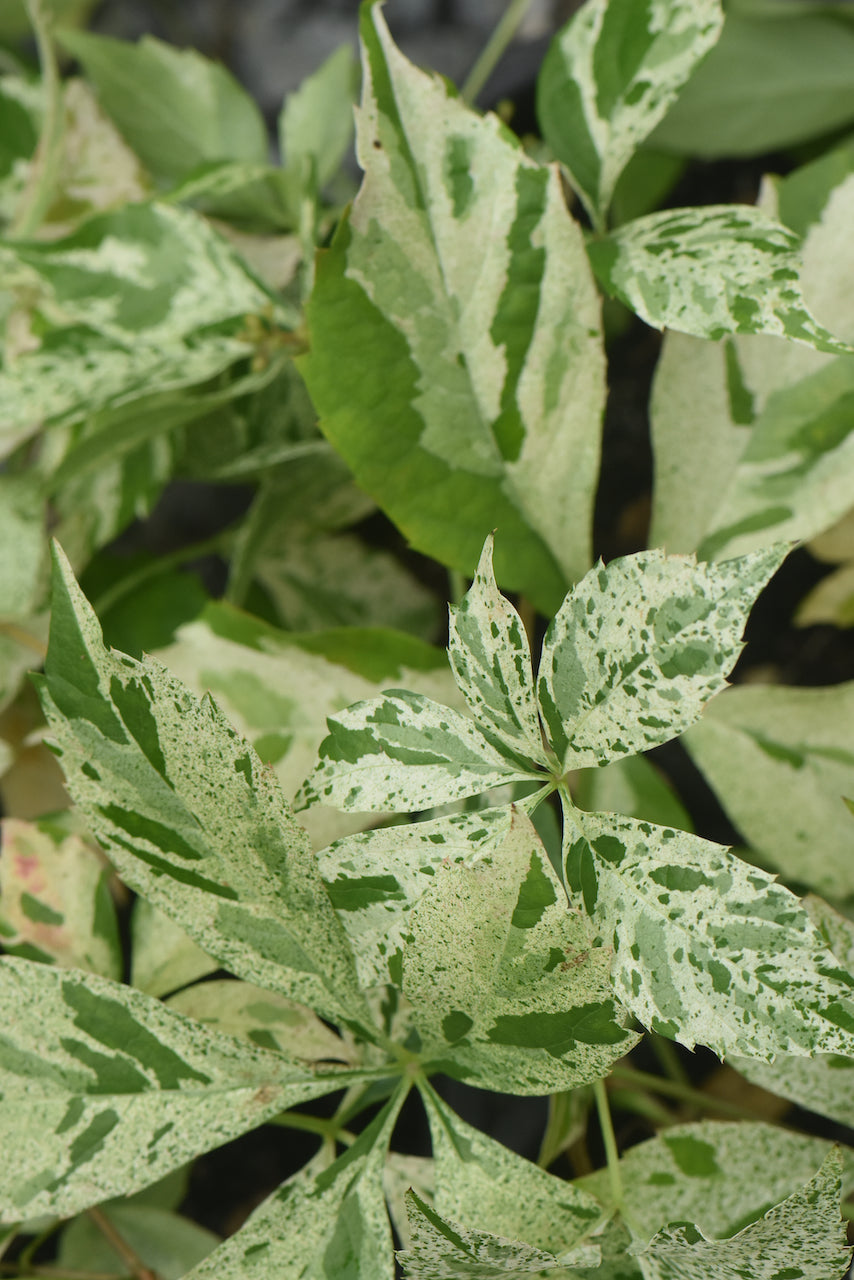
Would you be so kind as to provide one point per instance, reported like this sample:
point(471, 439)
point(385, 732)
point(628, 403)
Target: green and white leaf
point(163, 1241)
point(55, 902)
point(403, 752)
point(326, 1222)
point(803, 1236)
point(23, 517)
point(163, 957)
point(780, 760)
point(190, 816)
point(403, 1174)
point(316, 122)
point(483, 1185)
point(637, 649)
point(720, 1175)
point(705, 948)
point(479, 322)
point(507, 991)
point(634, 786)
point(490, 657)
point(266, 1019)
point(711, 271)
point(610, 76)
point(105, 1090)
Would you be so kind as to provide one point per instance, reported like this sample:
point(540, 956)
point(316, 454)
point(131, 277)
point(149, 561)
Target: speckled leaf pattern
point(711, 271)
point(55, 902)
point(707, 949)
point(481, 1184)
point(780, 760)
point(638, 647)
point(507, 991)
point(190, 816)
point(327, 1222)
point(473, 395)
point(608, 79)
point(802, 1238)
point(402, 752)
point(105, 1090)
point(716, 1174)
point(490, 657)
point(440, 1249)
point(375, 880)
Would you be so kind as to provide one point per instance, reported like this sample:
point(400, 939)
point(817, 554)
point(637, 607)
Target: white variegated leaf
point(402, 1174)
point(802, 1237)
point(506, 989)
point(401, 753)
point(327, 1222)
point(780, 760)
point(190, 816)
point(707, 949)
point(638, 647)
point(491, 660)
point(609, 77)
point(480, 322)
point(711, 271)
point(104, 1090)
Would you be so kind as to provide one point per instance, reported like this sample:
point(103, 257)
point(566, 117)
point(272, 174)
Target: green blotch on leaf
point(133, 701)
point(693, 1157)
point(88, 1143)
point(39, 912)
point(741, 406)
point(348, 894)
point(536, 894)
point(457, 171)
point(557, 1033)
point(682, 879)
point(455, 1025)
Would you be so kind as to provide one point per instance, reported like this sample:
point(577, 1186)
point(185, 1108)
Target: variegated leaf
point(190, 816)
point(401, 753)
point(719, 1175)
point(402, 1174)
point(609, 77)
point(705, 948)
point(711, 271)
point(377, 878)
point(507, 990)
point(490, 657)
point(638, 647)
point(780, 760)
point(105, 1090)
point(802, 1237)
point(480, 325)
point(327, 1222)
point(163, 956)
point(481, 1184)
point(55, 899)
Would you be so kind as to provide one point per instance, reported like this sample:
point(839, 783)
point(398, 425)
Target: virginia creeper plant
point(363, 866)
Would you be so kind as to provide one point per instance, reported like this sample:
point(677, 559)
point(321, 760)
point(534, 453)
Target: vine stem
point(684, 1092)
point(116, 1240)
point(495, 48)
point(612, 1155)
point(38, 193)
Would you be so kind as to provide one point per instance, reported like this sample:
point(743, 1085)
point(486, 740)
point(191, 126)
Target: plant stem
point(684, 1092)
point(117, 1242)
point(495, 48)
point(612, 1155)
point(38, 192)
point(21, 636)
point(326, 1129)
point(666, 1053)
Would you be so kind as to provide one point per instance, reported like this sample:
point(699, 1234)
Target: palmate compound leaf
point(327, 1222)
point(711, 271)
point(459, 370)
point(639, 646)
point(705, 948)
point(802, 1238)
point(608, 79)
point(105, 1090)
point(507, 991)
point(190, 817)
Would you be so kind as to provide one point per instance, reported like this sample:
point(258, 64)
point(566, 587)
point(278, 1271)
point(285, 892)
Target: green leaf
point(473, 394)
point(176, 108)
point(707, 949)
point(831, 601)
point(768, 84)
point(93, 1074)
point(711, 271)
point(190, 816)
point(720, 1175)
point(165, 1242)
point(481, 1184)
point(55, 899)
point(638, 647)
point(608, 79)
point(163, 957)
point(491, 660)
point(316, 123)
point(780, 760)
point(507, 990)
point(804, 1237)
point(328, 1221)
point(403, 752)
